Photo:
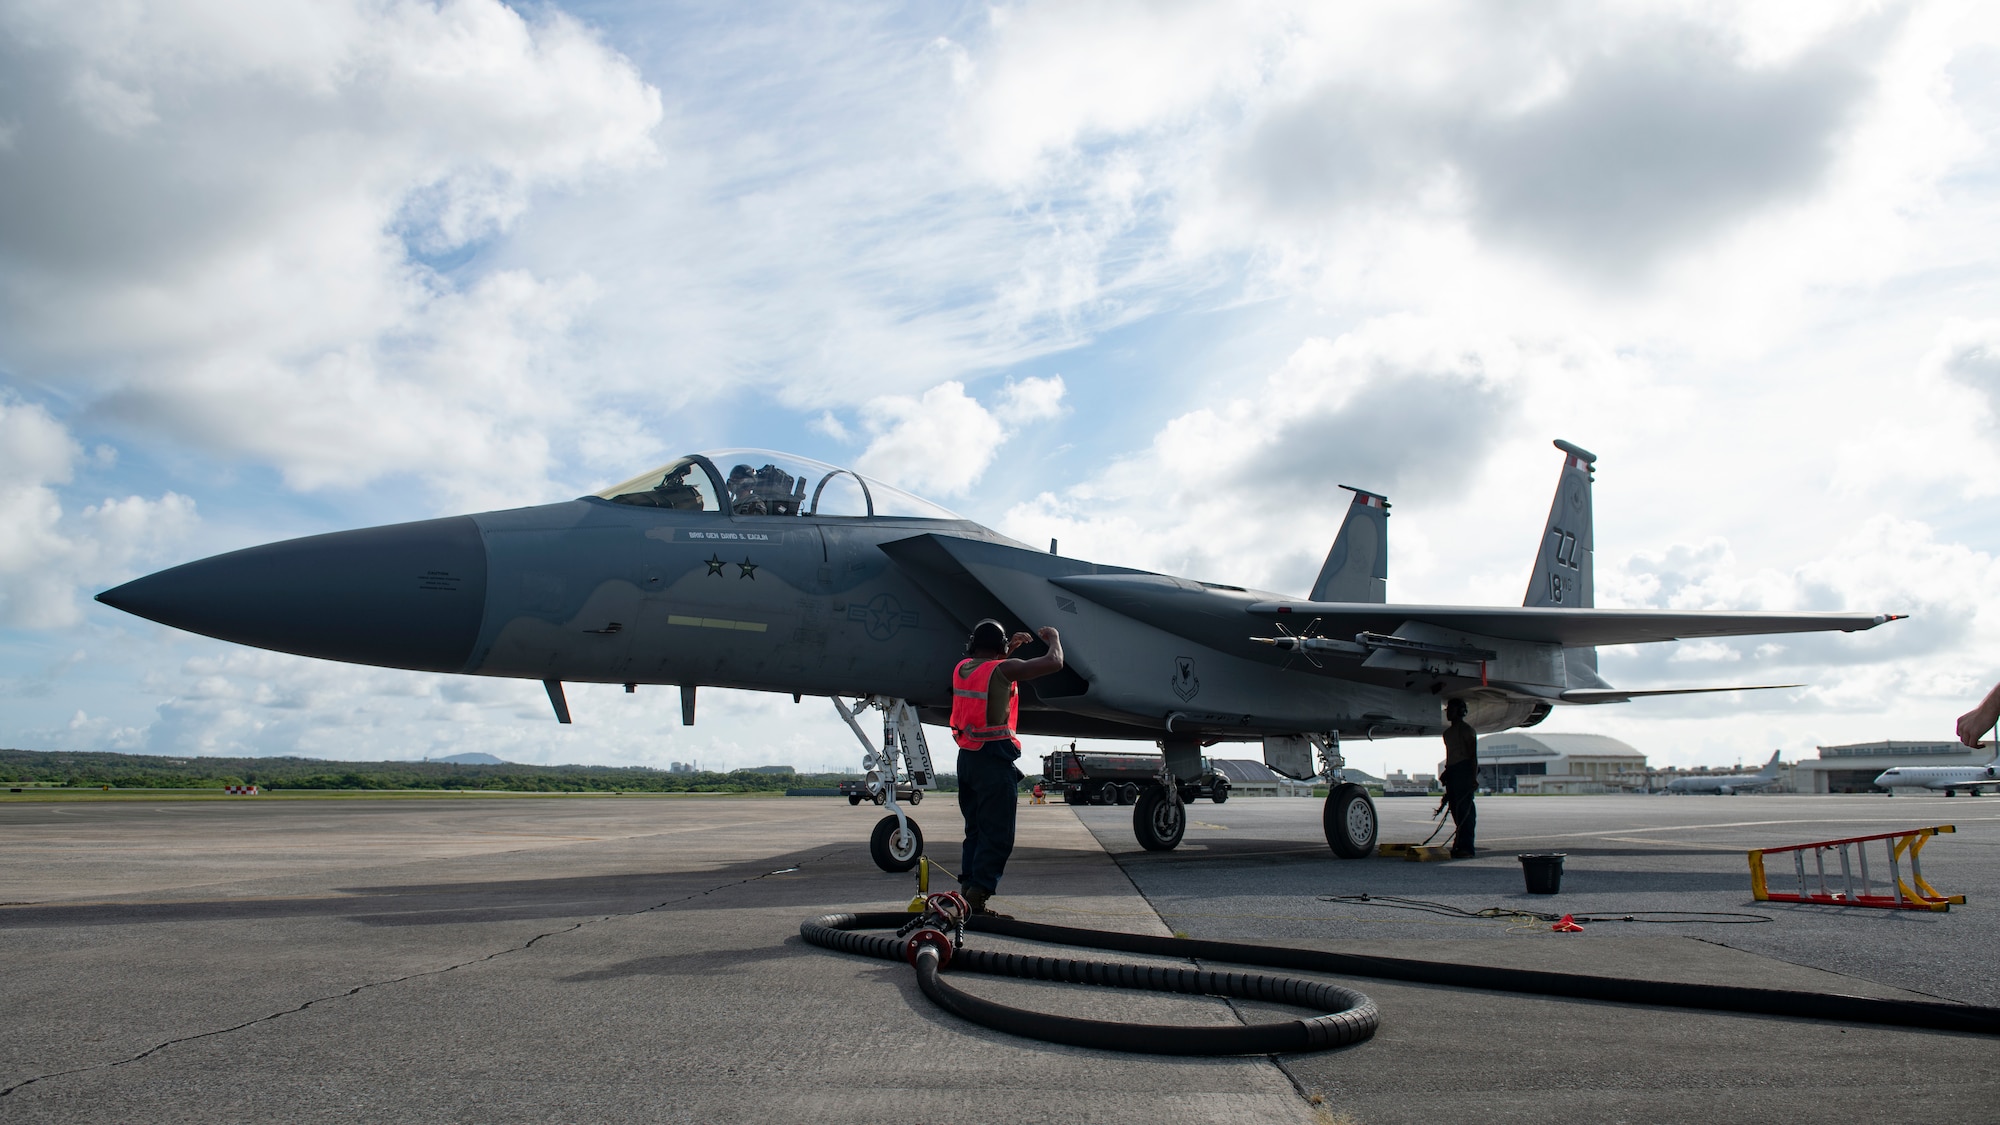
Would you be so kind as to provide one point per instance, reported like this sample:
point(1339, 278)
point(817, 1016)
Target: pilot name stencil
point(734, 536)
point(1186, 685)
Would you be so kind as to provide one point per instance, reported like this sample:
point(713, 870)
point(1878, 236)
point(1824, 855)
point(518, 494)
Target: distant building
point(1853, 768)
point(1400, 784)
point(1517, 762)
point(1249, 778)
point(680, 767)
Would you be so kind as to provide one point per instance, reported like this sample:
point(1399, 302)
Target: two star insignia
point(744, 569)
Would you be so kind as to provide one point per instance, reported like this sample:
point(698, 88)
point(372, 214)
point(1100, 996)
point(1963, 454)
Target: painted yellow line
point(717, 623)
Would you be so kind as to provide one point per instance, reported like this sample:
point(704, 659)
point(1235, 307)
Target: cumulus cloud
point(228, 216)
point(943, 441)
point(1618, 156)
point(45, 555)
point(1244, 491)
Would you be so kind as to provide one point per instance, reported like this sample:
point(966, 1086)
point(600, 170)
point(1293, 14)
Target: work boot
point(975, 897)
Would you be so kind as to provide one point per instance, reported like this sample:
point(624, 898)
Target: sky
point(270, 268)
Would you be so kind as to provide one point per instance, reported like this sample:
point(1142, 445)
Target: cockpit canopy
point(758, 482)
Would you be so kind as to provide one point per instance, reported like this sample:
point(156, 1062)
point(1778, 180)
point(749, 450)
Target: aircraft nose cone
point(405, 596)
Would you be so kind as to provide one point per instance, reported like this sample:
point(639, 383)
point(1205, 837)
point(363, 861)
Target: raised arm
point(1015, 671)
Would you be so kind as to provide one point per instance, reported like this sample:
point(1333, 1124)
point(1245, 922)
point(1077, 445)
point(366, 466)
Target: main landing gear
point(897, 843)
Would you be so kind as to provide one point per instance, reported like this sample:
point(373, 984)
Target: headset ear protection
point(988, 634)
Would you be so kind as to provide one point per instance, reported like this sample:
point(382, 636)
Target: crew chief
point(985, 708)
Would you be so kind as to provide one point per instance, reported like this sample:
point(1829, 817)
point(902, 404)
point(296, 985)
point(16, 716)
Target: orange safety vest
point(968, 705)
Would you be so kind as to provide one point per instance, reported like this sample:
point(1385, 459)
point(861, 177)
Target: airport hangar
point(1853, 768)
point(1517, 762)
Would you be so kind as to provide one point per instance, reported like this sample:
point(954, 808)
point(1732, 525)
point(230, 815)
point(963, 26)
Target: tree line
point(93, 770)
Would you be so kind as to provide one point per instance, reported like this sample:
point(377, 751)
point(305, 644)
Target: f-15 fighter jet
point(756, 570)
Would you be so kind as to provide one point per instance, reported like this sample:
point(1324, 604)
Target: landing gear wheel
point(1221, 792)
point(893, 850)
point(1349, 820)
point(1159, 823)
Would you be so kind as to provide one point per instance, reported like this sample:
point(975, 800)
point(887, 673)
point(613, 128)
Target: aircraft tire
point(1158, 822)
point(890, 853)
point(1350, 822)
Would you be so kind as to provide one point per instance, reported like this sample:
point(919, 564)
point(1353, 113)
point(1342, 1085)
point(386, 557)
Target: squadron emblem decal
point(1186, 685)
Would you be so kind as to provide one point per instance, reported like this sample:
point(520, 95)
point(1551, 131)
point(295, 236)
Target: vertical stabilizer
point(1771, 767)
point(1562, 578)
point(1357, 569)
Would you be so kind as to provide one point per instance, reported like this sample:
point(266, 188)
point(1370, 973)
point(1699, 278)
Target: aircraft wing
point(1571, 628)
point(965, 573)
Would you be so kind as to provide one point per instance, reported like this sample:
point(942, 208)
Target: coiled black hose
point(1932, 1015)
point(1360, 1017)
point(1349, 1016)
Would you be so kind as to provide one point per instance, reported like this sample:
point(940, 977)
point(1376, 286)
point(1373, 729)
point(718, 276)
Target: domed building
point(1521, 762)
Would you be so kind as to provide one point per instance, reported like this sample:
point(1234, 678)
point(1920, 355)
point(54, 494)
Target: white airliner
point(1727, 783)
point(1951, 779)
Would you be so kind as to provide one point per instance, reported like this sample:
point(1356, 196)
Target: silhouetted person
point(1460, 777)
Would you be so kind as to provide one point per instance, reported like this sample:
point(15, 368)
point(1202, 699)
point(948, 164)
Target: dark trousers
point(986, 796)
point(1459, 787)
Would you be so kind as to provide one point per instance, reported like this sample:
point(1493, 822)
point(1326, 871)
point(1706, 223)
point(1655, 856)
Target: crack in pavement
point(359, 988)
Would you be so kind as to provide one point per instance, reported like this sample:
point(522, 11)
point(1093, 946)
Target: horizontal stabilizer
point(1617, 695)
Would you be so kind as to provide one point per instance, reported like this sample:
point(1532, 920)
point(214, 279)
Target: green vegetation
point(77, 771)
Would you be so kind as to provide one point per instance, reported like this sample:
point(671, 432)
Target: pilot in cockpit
point(768, 491)
point(743, 497)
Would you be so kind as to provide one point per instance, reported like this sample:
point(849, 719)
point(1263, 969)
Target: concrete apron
point(542, 960)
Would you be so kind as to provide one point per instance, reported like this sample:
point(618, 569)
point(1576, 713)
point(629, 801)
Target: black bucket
point(1543, 871)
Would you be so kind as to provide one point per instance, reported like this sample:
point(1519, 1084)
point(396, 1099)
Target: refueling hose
point(1350, 1016)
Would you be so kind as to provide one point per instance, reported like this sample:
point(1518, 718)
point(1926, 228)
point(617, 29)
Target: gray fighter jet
point(762, 571)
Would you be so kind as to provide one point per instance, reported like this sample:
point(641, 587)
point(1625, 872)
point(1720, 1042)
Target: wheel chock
point(1567, 924)
point(1420, 853)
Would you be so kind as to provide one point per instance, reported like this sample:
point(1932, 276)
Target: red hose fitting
point(950, 906)
point(932, 938)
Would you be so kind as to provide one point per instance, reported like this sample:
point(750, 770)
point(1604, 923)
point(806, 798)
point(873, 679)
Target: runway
point(637, 959)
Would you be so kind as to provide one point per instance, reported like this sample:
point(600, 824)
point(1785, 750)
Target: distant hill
point(472, 758)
